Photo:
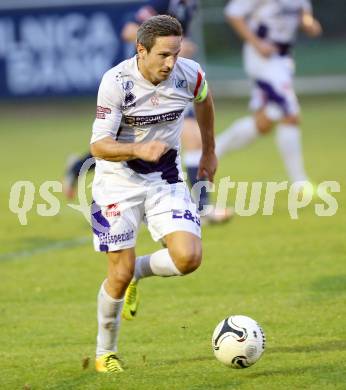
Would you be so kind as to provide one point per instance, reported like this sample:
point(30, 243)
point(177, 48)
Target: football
point(238, 341)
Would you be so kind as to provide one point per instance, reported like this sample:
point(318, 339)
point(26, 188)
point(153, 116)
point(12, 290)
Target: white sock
point(142, 267)
point(108, 317)
point(241, 133)
point(289, 143)
point(158, 263)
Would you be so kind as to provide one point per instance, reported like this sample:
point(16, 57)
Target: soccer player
point(268, 28)
point(184, 11)
point(138, 177)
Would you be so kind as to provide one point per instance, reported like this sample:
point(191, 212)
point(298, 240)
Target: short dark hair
point(158, 26)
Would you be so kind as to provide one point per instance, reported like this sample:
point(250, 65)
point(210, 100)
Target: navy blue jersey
point(183, 10)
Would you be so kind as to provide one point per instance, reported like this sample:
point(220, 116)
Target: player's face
point(157, 65)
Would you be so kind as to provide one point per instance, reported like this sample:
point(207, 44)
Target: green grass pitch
point(288, 274)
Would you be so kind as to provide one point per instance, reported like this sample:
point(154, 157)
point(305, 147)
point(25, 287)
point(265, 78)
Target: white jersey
point(132, 109)
point(275, 20)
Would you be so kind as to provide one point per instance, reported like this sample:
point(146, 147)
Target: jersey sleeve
point(108, 110)
point(197, 83)
point(239, 8)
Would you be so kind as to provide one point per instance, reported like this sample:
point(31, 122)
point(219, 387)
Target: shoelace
point(112, 363)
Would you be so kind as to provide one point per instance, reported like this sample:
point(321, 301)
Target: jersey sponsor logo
point(152, 119)
point(112, 210)
point(102, 111)
point(180, 83)
point(128, 85)
point(108, 238)
point(187, 215)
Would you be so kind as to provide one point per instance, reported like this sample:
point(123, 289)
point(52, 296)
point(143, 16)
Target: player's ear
point(141, 50)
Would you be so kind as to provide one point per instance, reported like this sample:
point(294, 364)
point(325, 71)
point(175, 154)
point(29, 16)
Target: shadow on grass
point(36, 245)
point(330, 346)
point(196, 359)
point(330, 284)
point(294, 371)
point(92, 379)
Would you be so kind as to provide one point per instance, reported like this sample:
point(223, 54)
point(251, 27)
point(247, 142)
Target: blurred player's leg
point(72, 171)
point(288, 137)
point(240, 134)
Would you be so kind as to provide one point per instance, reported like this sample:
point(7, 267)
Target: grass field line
point(58, 245)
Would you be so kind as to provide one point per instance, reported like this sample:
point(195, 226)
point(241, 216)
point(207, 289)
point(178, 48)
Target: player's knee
point(123, 276)
point(120, 273)
point(291, 120)
point(188, 260)
point(263, 123)
point(118, 282)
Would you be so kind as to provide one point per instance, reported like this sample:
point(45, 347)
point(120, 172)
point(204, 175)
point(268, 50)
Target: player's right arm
point(106, 125)
point(235, 13)
point(110, 150)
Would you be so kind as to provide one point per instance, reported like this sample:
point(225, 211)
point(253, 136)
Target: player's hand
point(312, 27)
point(207, 166)
point(151, 151)
point(266, 49)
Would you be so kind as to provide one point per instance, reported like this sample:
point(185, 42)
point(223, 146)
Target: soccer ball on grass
point(238, 341)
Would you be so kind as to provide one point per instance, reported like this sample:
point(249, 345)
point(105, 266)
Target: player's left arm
point(310, 25)
point(204, 109)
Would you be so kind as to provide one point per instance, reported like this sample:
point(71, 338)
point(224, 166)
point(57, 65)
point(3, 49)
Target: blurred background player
point(184, 11)
point(269, 28)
